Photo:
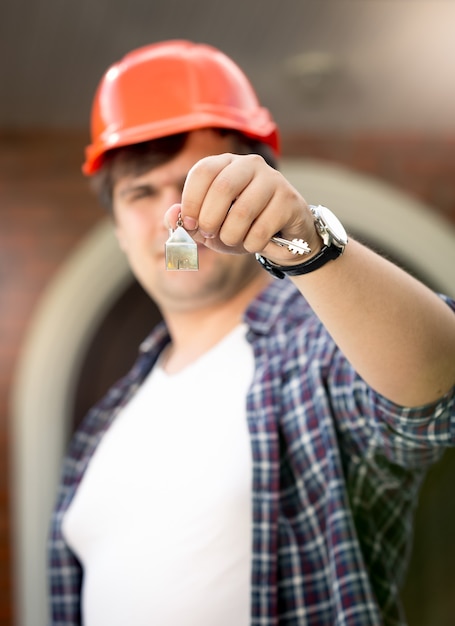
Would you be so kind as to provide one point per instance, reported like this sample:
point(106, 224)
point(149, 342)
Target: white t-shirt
point(162, 519)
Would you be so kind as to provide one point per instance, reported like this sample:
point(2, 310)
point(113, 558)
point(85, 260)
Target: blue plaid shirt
point(336, 472)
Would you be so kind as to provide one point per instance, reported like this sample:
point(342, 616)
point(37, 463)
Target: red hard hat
point(173, 87)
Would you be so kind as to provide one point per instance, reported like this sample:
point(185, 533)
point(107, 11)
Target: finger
point(245, 215)
point(171, 216)
point(223, 195)
point(262, 209)
point(198, 181)
point(212, 186)
point(286, 214)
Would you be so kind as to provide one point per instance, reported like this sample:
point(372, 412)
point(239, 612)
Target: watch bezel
point(329, 226)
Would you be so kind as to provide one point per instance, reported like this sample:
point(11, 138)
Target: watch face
point(333, 225)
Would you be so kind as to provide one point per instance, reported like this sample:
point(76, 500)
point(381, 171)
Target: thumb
point(172, 215)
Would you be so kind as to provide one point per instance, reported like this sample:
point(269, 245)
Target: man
point(260, 463)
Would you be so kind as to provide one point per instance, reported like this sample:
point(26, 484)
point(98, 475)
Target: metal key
point(181, 250)
point(296, 246)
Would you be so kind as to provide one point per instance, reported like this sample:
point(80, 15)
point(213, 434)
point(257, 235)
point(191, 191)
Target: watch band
point(334, 238)
point(327, 253)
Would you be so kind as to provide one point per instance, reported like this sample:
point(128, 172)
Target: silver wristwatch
point(333, 236)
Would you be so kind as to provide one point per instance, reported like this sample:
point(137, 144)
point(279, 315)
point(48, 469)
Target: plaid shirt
point(336, 471)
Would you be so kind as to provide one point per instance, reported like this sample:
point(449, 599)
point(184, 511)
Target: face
point(139, 204)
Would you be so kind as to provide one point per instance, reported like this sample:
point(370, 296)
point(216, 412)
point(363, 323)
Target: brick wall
point(420, 165)
point(46, 208)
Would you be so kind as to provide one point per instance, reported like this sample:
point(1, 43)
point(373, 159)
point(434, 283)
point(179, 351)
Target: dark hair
point(142, 157)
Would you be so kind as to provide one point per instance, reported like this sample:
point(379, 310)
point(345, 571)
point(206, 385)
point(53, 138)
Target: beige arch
point(84, 290)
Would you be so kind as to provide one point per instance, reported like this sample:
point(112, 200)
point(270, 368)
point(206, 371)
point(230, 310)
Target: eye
point(139, 193)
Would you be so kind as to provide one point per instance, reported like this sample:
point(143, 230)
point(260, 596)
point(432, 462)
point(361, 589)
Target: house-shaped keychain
point(181, 251)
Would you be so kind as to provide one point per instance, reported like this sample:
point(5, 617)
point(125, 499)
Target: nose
point(172, 195)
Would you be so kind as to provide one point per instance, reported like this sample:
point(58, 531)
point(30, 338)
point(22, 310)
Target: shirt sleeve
point(370, 424)
point(419, 430)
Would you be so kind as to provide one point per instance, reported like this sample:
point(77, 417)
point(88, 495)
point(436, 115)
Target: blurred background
point(364, 92)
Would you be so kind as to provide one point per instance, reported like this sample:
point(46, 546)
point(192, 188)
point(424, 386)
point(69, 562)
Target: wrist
point(331, 241)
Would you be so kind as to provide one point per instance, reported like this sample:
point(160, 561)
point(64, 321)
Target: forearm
point(398, 335)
